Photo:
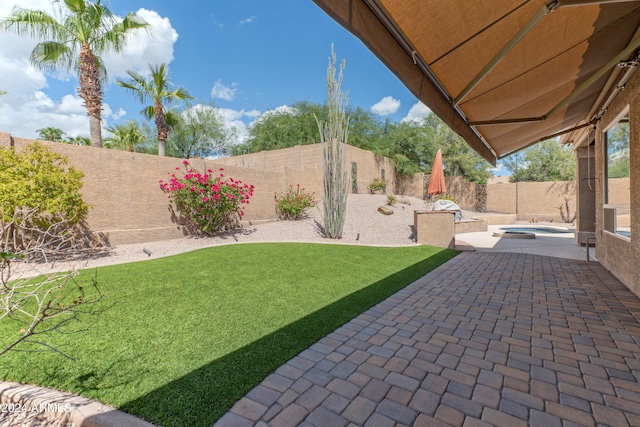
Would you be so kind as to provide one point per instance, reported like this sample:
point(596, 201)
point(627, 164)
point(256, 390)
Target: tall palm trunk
point(91, 92)
point(163, 129)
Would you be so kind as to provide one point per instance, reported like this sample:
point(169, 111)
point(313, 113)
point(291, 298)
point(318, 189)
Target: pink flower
point(205, 199)
point(185, 162)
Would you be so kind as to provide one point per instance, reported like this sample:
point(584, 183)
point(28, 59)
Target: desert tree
point(198, 132)
point(74, 39)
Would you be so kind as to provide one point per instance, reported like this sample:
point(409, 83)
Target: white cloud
point(387, 105)
point(27, 106)
point(154, 46)
point(23, 119)
point(72, 104)
point(417, 112)
point(233, 122)
point(282, 109)
point(247, 21)
point(252, 113)
point(228, 93)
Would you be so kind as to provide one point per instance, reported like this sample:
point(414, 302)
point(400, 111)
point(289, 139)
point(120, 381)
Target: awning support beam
point(531, 23)
point(568, 3)
point(591, 80)
point(553, 135)
point(577, 91)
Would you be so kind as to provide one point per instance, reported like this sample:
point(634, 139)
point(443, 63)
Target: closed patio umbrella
point(436, 182)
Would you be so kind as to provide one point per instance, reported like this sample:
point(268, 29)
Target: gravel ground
point(364, 225)
point(31, 419)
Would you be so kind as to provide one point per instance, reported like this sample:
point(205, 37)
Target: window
point(617, 194)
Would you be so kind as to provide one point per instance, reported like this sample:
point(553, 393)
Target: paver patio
point(486, 339)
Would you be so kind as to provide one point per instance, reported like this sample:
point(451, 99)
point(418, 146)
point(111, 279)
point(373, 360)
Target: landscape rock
point(385, 210)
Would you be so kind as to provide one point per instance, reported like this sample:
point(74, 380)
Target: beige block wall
point(303, 164)
point(529, 200)
point(123, 189)
point(411, 185)
point(463, 192)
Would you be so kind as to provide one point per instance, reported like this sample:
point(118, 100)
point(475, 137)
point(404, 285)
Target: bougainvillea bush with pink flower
point(209, 203)
point(294, 203)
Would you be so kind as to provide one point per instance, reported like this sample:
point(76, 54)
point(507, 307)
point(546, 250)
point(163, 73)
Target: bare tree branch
point(48, 304)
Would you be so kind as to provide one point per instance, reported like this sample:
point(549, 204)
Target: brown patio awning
point(503, 74)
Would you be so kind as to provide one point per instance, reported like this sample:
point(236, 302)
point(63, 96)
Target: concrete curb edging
point(82, 412)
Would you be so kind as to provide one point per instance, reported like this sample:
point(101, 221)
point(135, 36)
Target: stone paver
point(486, 339)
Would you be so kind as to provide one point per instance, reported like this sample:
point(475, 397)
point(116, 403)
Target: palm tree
point(125, 137)
point(78, 140)
point(50, 134)
point(84, 31)
point(156, 89)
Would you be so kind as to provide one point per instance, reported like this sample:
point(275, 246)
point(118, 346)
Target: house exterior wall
point(621, 256)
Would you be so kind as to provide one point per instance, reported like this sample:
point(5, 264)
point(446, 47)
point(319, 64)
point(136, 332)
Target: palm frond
point(181, 93)
point(148, 112)
point(49, 56)
point(76, 6)
point(35, 24)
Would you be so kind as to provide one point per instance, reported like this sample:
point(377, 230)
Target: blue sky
point(247, 57)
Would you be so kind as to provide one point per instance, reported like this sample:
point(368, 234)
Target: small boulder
point(405, 201)
point(385, 210)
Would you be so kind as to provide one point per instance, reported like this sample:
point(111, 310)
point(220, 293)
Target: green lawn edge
point(185, 402)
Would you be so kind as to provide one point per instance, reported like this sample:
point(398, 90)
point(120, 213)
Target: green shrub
point(294, 203)
point(391, 200)
point(38, 178)
point(378, 184)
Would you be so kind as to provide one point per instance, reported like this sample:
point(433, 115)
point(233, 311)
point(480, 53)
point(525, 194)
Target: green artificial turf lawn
point(185, 337)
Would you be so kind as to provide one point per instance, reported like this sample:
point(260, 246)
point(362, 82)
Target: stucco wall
point(128, 204)
point(619, 255)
